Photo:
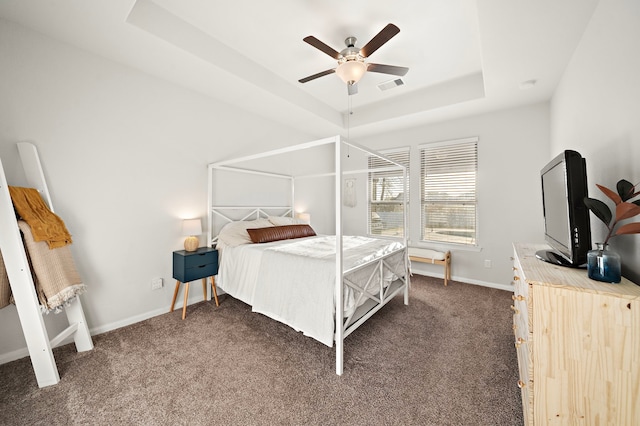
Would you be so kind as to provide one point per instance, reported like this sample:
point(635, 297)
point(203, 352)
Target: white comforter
point(293, 281)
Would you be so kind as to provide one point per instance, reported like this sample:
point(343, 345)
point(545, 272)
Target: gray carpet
point(446, 359)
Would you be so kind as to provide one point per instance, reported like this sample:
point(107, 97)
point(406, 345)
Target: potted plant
point(603, 264)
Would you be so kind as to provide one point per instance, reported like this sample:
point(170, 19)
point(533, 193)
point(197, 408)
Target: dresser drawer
point(200, 259)
point(523, 338)
point(521, 304)
point(198, 272)
point(526, 389)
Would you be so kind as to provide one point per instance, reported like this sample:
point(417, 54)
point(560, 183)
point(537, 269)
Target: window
point(448, 179)
point(386, 193)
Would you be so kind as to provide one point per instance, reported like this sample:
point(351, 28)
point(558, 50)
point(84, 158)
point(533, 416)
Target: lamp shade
point(305, 217)
point(191, 227)
point(351, 71)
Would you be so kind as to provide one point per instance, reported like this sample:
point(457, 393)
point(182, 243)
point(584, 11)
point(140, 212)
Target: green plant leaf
point(636, 202)
point(629, 228)
point(611, 194)
point(625, 189)
point(600, 209)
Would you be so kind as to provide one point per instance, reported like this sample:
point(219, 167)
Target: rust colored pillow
point(277, 233)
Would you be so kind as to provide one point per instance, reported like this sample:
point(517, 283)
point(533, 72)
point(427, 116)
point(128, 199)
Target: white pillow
point(284, 221)
point(235, 233)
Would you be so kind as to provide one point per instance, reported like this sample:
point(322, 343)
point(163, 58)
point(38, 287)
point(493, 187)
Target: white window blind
point(448, 173)
point(386, 193)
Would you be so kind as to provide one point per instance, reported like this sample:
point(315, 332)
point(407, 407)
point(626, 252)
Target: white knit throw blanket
point(54, 272)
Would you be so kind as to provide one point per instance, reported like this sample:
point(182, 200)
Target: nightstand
point(193, 265)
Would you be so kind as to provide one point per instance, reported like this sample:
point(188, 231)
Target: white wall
point(513, 146)
point(125, 157)
point(596, 110)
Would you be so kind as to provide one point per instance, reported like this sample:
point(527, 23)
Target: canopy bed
point(325, 286)
point(40, 275)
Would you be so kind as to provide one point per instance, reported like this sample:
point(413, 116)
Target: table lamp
point(191, 228)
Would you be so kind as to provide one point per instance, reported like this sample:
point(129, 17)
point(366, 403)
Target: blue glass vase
point(603, 264)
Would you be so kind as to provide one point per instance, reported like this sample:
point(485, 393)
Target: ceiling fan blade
point(381, 38)
point(352, 89)
point(318, 75)
point(387, 69)
point(321, 46)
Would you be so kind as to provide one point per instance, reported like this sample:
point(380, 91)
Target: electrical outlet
point(487, 263)
point(156, 283)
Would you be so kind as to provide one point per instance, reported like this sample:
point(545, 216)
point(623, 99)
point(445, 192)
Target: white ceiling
point(465, 56)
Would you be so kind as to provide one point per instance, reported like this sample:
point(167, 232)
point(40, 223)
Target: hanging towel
point(45, 225)
point(54, 272)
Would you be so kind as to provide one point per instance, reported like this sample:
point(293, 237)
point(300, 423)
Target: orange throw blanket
point(45, 225)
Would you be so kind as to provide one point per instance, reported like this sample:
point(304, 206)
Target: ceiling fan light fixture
point(351, 60)
point(351, 71)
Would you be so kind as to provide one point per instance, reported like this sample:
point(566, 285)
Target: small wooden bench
point(424, 255)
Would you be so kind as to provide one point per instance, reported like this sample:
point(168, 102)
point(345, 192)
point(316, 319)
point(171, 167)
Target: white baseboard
point(506, 287)
point(128, 321)
point(13, 355)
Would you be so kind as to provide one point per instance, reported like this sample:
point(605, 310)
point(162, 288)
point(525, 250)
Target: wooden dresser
point(578, 344)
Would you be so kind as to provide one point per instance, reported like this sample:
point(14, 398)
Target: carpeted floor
point(446, 359)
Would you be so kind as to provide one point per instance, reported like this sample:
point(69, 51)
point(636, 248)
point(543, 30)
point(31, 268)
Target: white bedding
point(293, 281)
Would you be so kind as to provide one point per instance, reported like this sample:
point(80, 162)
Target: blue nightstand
point(193, 265)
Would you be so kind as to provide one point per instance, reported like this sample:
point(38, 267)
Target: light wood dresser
point(578, 344)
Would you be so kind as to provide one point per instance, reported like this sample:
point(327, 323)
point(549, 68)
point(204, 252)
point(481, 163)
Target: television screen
point(555, 205)
point(566, 218)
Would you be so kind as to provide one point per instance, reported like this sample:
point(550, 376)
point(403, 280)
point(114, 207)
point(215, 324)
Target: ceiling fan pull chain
point(348, 122)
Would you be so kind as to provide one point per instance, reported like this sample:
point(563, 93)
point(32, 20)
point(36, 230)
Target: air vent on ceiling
point(390, 84)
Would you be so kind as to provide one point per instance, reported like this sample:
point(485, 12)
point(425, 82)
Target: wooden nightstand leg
point(175, 295)
point(186, 296)
point(204, 288)
point(215, 292)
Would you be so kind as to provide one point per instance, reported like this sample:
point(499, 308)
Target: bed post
point(406, 236)
point(209, 205)
point(339, 315)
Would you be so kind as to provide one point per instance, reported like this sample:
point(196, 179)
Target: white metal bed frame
point(21, 281)
point(385, 294)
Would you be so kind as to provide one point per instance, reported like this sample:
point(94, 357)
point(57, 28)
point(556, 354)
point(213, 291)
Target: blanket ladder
point(21, 281)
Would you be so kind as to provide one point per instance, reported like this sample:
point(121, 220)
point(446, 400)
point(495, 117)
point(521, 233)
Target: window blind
point(449, 199)
point(386, 193)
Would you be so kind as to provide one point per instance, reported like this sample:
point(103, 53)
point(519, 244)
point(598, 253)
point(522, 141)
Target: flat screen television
point(567, 227)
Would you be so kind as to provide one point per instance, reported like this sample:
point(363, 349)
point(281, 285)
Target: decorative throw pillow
point(277, 233)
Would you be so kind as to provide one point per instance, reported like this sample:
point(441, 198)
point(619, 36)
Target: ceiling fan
point(351, 60)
